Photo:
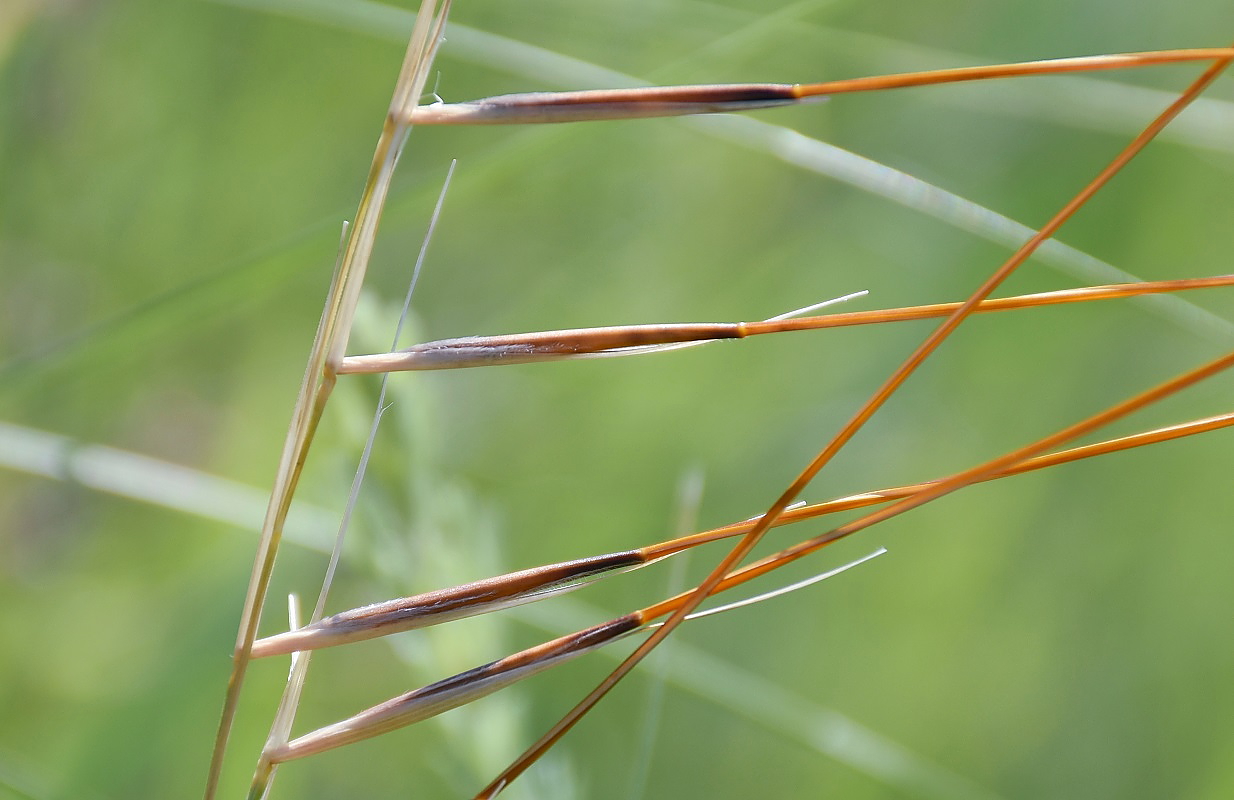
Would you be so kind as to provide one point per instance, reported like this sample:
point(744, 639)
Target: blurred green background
point(174, 176)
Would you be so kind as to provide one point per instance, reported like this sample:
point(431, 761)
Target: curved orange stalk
point(918, 496)
point(866, 499)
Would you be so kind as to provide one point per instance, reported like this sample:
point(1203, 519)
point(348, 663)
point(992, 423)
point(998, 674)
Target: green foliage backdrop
point(174, 175)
